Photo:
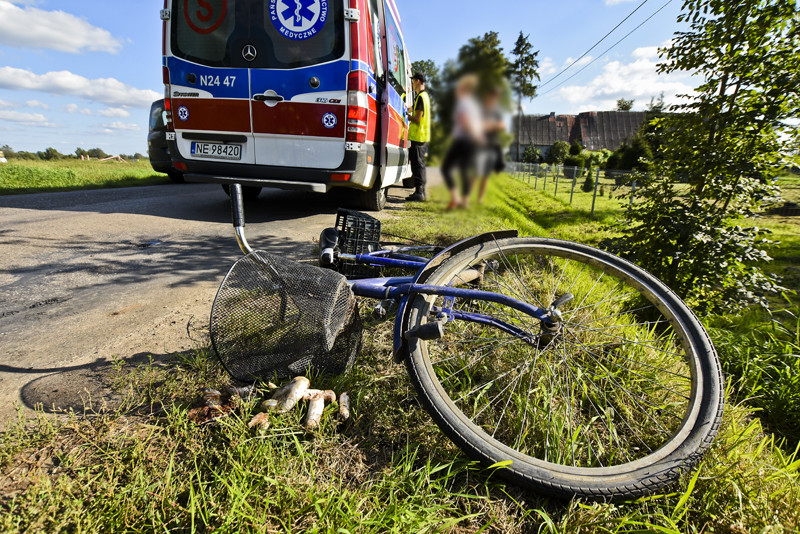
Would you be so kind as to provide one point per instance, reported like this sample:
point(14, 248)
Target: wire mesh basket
point(273, 317)
point(359, 233)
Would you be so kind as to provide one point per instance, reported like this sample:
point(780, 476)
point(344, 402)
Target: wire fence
point(790, 193)
point(572, 184)
point(575, 183)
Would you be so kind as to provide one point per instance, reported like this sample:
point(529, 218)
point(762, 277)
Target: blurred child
point(491, 160)
point(468, 136)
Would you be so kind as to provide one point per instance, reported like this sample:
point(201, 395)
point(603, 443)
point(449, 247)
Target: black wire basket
point(273, 317)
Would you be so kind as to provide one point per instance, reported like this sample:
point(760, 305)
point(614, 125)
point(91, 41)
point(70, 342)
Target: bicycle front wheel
point(616, 399)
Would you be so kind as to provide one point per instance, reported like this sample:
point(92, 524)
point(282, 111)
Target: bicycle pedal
point(427, 331)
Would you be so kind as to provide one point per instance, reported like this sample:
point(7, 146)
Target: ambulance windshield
point(267, 34)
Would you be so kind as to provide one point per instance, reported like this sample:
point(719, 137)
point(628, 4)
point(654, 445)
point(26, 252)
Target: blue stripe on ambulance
point(220, 82)
point(290, 83)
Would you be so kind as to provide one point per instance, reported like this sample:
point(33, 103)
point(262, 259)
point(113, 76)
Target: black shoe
point(416, 197)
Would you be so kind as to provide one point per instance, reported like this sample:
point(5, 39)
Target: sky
point(82, 73)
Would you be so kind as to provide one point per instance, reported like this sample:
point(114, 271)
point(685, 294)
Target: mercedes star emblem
point(249, 53)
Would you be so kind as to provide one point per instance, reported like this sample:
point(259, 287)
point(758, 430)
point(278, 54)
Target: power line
point(608, 49)
point(565, 69)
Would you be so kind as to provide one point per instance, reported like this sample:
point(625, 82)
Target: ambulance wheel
point(249, 192)
point(373, 199)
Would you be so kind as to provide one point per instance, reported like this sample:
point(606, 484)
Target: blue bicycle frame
point(400, 288)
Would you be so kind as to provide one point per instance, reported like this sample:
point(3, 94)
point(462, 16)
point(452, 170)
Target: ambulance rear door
point(206, 55)
point(298, 82)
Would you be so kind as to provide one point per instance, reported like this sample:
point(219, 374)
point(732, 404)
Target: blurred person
point(419, 133)
point(492, 153)
point(468, 136)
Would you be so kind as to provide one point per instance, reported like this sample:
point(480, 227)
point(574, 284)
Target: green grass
point(19, 177)
point(147, 467)
point(509, 204)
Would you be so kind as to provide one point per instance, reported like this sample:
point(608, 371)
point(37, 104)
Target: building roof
point(594, 129)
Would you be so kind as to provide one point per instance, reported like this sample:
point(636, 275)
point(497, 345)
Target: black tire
point(618, 402)
point(176, 177)
point(373, 199)
point(249, 192)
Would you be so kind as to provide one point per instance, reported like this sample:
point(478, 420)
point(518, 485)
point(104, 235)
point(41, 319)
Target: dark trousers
point(462, 155)
point(418, 171)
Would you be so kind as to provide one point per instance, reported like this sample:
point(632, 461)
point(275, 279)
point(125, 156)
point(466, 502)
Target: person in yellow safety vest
point(419, 133)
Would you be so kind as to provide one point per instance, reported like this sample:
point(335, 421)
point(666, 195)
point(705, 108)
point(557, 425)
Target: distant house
point(594, 130)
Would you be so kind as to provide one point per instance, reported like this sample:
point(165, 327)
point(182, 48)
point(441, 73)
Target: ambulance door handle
point(268, 98)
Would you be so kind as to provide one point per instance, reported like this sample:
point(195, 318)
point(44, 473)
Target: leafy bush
point(532, 155)
point(558, 151)
point(575, 149)
point(723, 142)
point(612, 162)
point(575, 161)
point(588, 184)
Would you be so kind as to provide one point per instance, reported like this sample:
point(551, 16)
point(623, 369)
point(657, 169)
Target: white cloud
point(75, 108)
point(28, 119)
point(583, 61)
point(645, 52)
point(114, 112)
point(118, 125)
point(547, 67)
point(109, 91)
point(615, 2)
point(4, 104)
point(637, 80)
point(30, 27)
point(36, 104)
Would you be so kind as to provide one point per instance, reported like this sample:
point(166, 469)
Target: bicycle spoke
point(609, 382)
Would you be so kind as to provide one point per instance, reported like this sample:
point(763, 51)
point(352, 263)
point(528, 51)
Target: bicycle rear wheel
point(618, 400)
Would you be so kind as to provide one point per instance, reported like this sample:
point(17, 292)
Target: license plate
point(217, 151)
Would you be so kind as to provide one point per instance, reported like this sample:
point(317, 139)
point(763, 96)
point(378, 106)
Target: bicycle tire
point(619, 403)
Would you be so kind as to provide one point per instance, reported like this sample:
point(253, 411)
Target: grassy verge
point(147, 467)
point(21, 177)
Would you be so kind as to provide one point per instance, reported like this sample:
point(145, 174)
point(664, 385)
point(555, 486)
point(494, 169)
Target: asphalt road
point(89, 276)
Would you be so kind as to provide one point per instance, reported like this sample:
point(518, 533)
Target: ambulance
point(307, 95)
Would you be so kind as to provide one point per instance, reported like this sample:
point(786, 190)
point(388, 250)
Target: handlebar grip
point(237, 206)
point(328, 240)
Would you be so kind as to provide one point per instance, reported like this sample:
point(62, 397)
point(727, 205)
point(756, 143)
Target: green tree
point(575, 161)
point(625, 105)
point(80, 152)
point(433, 80)
point(9, 152)
point(575, 149)
point(588, 184)
point(635, 157)
point(558, 152)
point(532, 155)
point(96, 153)
point(482, 56)
point(50, 154)
point(656, 105)
point(522, 72)
point(726, 141)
